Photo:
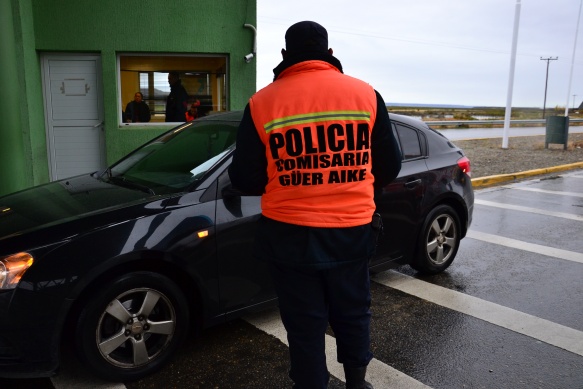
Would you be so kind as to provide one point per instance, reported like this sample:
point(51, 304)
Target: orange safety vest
point(316, 124)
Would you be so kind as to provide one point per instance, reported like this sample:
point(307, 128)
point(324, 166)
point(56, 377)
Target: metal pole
point(511, 77)
point(573, 59)
point(546, 84)
point(547, 80)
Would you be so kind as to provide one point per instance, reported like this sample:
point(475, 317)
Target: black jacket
point(176, 103)
point(248, 171)
point(303, 246)
point(137, 112)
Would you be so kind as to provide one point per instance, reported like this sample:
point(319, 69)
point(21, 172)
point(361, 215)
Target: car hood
point(60, 201)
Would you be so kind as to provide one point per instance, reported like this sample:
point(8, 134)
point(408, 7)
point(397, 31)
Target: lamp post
point(573, 59)
point(547, 80)
point(508, 111)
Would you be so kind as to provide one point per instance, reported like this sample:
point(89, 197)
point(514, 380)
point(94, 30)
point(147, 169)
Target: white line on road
point(575, 174)
point(553, 192)
point(521, 245)
point(546, 331)
point(529, 209)
point(378, 373)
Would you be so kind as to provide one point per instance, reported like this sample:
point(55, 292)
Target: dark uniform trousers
point(312, 298)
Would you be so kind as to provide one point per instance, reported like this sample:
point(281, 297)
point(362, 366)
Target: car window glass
point(178, 158)
point(397, 137)
point(410, 146)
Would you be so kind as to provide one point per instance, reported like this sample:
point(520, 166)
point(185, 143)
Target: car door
point(244, 282)
point(399, 203)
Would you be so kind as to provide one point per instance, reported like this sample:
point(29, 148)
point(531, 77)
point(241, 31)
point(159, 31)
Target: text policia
point(319, 149)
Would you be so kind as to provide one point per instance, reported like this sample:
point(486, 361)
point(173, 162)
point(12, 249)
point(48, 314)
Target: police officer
point(315, 143)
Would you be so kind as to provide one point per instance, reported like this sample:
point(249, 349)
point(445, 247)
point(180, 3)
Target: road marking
point(554, 192)
point(378, 373)
point(529, 209)
point(574, 175)
point(526, 246)
point(546, 331)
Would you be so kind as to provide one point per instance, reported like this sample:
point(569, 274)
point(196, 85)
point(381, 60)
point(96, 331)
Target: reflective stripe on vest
point(316, 124)
point(316, 117)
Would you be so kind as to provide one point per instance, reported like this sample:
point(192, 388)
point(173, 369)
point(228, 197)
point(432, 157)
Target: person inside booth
point(137, 111)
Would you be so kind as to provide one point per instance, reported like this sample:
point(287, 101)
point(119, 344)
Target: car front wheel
point(439, 241)
point(133, 327)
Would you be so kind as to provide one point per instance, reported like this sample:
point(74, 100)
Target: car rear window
point(409, 140)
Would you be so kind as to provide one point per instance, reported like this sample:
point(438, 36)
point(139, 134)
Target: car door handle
point(412, 184)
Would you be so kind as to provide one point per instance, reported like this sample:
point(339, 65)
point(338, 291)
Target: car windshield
point(175, 160)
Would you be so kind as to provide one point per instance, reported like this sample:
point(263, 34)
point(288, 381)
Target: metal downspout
point(12, 152)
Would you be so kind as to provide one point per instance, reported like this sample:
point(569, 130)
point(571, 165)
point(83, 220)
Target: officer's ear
point(283, 53)
point(330, 51)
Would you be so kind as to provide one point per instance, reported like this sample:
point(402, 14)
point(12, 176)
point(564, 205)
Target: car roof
point(236, 116)
point(407, 120)
point(230, 116)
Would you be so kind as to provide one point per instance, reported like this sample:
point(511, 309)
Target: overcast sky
point(440, 51)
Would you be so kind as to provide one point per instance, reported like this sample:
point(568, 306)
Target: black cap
point(306, 37)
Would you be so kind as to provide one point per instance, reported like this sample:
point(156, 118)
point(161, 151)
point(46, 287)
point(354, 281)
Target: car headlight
point(12, 267)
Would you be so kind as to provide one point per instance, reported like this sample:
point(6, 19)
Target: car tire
point(132, 328)
point(439, 241)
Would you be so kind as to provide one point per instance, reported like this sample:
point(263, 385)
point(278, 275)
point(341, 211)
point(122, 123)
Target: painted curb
point(482, 182)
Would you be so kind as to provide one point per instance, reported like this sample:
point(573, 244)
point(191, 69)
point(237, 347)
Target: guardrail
point(496, 121)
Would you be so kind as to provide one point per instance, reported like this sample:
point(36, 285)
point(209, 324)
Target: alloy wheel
point(135, 327)
point(442, 239)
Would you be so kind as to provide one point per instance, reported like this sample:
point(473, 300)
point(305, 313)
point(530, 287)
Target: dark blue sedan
point(125, 262)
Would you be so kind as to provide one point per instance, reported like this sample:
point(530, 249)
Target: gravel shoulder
point(487, 157)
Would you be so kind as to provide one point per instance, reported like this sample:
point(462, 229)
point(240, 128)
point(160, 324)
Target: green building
point(68, 68)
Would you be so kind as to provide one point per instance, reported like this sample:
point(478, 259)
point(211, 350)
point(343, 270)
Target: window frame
point(422, 141)
point(219, 93)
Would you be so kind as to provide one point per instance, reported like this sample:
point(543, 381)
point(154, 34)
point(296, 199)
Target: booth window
point(203, 76)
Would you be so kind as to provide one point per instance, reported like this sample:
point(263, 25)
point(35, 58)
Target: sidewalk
point(525, 156)
point(482, 182)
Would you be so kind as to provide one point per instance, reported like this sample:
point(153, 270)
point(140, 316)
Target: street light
point(508, 111)
point(547, 80)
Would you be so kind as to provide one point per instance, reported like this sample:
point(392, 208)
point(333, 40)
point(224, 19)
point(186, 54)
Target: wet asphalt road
point(508, 313)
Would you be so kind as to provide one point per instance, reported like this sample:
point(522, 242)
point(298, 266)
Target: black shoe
point(355, 378)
